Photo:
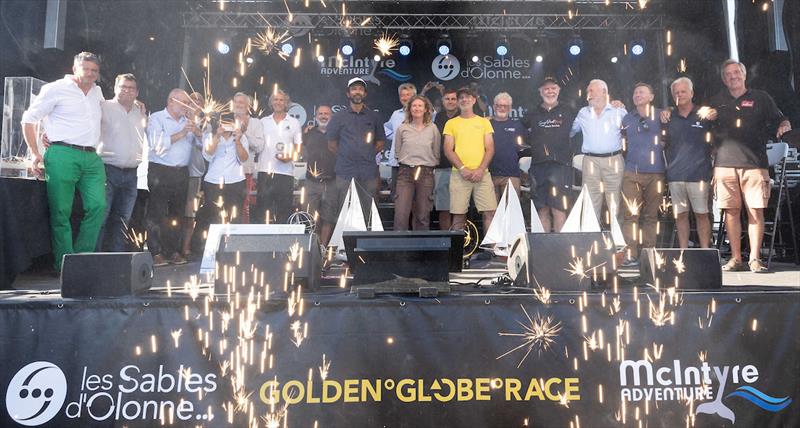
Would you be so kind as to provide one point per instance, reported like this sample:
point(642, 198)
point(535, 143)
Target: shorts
point(441, 189)
point(321, 197)
point(193, 196)
point(730, 184)
point(461, 190)
point(553, 186)
point(686, 194)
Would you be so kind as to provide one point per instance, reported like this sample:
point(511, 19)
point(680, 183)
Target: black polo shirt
point(440, 120)
point(744, 125)
point(687, 148)
point(548, 134)
point(356, 134)
point(320, 162)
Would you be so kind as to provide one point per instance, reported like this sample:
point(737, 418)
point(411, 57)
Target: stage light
point(475, 58)
point(249, 60)
point(575, 46)
point(287, 48)
point(637, 47)
point(502, 47)
point(539, 58)
point(320, 58)
point(347, 47)
point(405, 46)
point(444, 45)
point(223, 47)
point(614, 59)
point(376, 58)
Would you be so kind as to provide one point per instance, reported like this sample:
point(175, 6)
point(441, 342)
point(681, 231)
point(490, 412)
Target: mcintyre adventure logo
point(365, 68)
point(639, 380)
point(37, 393)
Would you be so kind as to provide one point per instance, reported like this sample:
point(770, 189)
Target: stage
point(480, 356)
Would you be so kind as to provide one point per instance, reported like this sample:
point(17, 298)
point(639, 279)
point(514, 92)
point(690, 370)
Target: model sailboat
point(352, 218)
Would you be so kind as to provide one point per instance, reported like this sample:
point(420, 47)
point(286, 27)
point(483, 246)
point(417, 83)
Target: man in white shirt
point(171, 137)
point(275, 165)
point(72, 109)
point(254, 131)
point(405, 91)
point(122, 135)
point(603, 164)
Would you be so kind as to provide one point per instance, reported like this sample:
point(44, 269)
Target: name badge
point(748, 103)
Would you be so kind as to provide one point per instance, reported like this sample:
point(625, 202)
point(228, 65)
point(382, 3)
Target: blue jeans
point(120, 199)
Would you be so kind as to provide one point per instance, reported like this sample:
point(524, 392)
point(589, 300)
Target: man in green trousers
point(71, 134)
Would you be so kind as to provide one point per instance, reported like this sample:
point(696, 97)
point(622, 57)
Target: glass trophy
point(14, 158)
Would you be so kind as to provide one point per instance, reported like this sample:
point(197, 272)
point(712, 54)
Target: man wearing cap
point(469, 146)
point(356, 136)
point(552, 152)
point(603, 164)
point(72, 107)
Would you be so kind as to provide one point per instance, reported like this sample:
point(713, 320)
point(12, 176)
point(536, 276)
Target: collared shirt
point(389, 129)
point(440, 120)
point(356, 134)
point(418, 147)
point(509, 136)
point(548, 134)
point(644, 151)
point(122, 134)
point(320, 161)
point(71, 116)
point(255, 136)
point(160, 129)
point(224, 166)
point(601, 134)
point(688, 147)
point(281, 137)
point(744, 125)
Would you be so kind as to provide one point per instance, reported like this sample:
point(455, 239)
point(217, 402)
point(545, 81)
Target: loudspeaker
point(575, 261)
point(376, 257)
point(280, 260)
point(688, 269)
point(89, 275)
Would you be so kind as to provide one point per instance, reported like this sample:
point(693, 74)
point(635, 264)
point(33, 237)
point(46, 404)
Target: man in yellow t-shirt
point(469, 146)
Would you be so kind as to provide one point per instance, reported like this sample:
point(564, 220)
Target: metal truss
point(333, 22)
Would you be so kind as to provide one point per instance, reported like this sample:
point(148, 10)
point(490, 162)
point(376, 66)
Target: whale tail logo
point(716, 407)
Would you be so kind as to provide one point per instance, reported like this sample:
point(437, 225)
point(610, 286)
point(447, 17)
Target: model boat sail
point(583, 218)
point(536, 222)
point(352, 218)
point(508, 222)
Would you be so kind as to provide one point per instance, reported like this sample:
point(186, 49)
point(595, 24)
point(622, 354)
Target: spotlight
point(347, 47)
point(575, 46)
point(320, 59)
point(444, 45)
point(637, 47)
point(475, 59)
point(539, 58)
point(405, 46)
point(249, 60)
point(614, 59)
point(502, 47)
point(376, 58)
point(287, 48)
point(223, 47)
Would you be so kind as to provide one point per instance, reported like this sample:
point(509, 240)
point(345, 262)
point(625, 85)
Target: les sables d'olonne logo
point(36, 393)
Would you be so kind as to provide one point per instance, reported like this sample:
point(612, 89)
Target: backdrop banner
point(575, 360)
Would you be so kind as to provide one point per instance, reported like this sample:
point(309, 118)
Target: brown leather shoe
point(159, 260)
point(177, 259)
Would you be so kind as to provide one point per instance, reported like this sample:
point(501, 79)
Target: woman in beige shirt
point(418, 147)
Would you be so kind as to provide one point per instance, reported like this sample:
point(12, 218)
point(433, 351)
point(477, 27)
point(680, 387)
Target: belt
point(421, 166)
point(74, 146)
point(604, 155)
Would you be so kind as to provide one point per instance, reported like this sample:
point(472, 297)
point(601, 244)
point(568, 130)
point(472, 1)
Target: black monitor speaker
point(562, 261)
point(89, 275)
point(280, 260)
point(375, 257)
point(689, 269)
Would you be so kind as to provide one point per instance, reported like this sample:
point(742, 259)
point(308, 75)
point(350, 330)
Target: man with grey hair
point(747, 120)
point(72, 107)
point(275, 166)
point(254, 131)
point(603, 165)
point(509, 135)
point(405, 91)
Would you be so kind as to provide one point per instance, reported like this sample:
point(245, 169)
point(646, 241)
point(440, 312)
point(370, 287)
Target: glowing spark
point(270, 41)
point(633, 205)
point(543, 294)
point(703, 112)
point(680, 267)
point(387, 44)
point(539, 333)
point(176, 335)
point(324, 368)
point(591, 341)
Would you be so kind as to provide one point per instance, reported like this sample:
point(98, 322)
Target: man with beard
point(356, 136)
point(320, 175)
point(441, 187)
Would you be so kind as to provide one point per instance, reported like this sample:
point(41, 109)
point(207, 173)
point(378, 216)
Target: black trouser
point(276, 194)
point(165, 208)
point(210, 212)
